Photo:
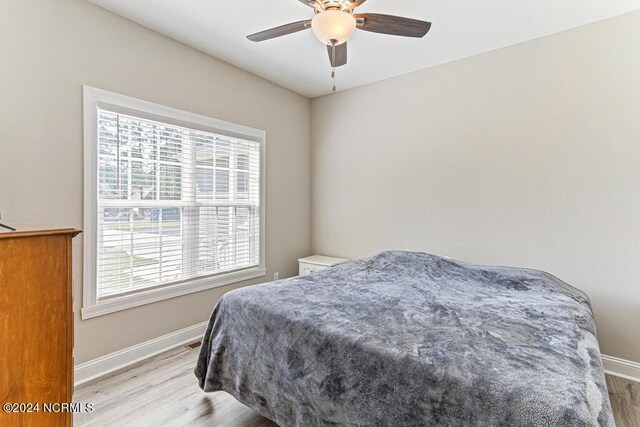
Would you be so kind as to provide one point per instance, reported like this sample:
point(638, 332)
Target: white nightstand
point(315, 263)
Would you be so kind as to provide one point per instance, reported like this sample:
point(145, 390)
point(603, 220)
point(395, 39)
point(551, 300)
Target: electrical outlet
point(276, 276)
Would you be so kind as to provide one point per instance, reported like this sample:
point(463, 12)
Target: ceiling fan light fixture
point(333, 25)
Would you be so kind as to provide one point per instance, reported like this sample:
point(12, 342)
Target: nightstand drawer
point(316, 263)
point(306, 268)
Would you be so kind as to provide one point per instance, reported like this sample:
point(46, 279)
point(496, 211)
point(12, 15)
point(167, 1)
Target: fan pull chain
point(333, 61)
point(333, 76)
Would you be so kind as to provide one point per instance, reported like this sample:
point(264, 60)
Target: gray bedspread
point(410, 339)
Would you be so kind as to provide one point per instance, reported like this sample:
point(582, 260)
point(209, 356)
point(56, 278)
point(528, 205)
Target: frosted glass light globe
point(333, 25)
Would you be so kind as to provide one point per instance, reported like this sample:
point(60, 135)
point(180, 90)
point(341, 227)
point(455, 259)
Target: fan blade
point(355, 4)
point(282, 30)
point(393, 25)
point(310, 3)
point(340, 55)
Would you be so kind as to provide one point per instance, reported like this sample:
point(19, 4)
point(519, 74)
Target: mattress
point(409, 339)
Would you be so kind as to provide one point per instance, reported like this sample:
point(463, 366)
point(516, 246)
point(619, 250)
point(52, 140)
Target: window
point(173, 203)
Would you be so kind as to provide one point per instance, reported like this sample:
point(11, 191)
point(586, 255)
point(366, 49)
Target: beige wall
point(525, 156)
point(48, 50)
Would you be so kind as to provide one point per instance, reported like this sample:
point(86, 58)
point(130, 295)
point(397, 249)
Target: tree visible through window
point(174, 204)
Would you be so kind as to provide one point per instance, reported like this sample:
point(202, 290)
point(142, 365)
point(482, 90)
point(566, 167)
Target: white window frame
point(97, 98)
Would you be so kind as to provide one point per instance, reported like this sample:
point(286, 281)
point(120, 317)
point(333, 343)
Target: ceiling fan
point(335, 21)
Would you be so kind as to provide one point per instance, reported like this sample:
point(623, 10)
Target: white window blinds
point(174, 204)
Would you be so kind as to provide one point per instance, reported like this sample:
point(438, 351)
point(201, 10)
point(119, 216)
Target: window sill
point(147, 297)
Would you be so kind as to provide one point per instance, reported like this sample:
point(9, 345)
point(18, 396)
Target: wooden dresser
point(36, 324)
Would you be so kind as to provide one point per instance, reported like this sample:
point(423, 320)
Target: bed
point(409, 339)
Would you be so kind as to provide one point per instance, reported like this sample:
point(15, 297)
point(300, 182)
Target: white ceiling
point(300, 62)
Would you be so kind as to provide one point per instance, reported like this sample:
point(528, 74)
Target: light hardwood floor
point(625, 399)
point(162, 391)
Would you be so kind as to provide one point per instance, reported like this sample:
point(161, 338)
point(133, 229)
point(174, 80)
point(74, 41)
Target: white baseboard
point(621, 368)
point(112, 362)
